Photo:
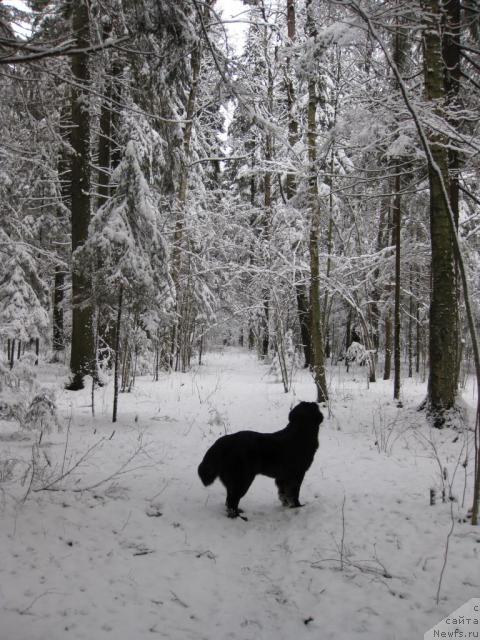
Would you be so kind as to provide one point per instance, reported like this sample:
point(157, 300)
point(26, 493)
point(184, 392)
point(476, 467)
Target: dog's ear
point(305, 412)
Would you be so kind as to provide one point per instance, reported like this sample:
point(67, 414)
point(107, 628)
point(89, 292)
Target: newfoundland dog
point(284, 455)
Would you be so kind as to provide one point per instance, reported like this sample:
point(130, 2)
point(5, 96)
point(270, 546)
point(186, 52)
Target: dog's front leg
point(282, 492)
point(291, 492)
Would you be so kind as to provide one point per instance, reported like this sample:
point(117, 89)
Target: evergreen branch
point(65, 49)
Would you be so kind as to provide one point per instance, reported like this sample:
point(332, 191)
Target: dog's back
point(261, 453)
point(230, 452)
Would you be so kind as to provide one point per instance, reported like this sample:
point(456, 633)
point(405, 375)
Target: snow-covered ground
point(149, 552)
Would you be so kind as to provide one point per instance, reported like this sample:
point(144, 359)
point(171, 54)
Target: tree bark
point(388, 345)
point(291, 187)
point(382, 241)
point(303, 318)
point(58, 343)
point(117, 354)
point(396, 314)
point(316, 324)
point(399, 55)
point(410, 326)
point(265, 328)
point(82, 356)
point(443, 304)
point(106, 134)
point(179, 230)
point(63, 170)
point(418, 338)
point(267, 195)
point(451, 53)
point(12, 353)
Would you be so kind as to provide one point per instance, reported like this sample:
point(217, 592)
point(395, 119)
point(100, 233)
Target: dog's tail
point(208, 468)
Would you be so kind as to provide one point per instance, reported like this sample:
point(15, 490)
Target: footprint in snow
point(153, 511)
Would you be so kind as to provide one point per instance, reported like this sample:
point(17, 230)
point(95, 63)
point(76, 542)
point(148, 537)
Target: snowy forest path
point(150, 552)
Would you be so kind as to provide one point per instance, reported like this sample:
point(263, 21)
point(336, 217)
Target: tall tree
point(443, 306)
point(82, 358)
point(63, 168)
point(399, 56)
point(290, 182)
point(316, 322)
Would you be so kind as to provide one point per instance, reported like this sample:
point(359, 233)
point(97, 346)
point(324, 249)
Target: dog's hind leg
point(236, 489)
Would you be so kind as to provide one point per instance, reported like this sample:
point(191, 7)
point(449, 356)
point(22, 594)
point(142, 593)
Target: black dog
point(284, 455)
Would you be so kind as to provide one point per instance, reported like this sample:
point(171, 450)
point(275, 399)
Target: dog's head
point(306, 412)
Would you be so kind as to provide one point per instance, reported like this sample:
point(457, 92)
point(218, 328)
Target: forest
point(194, 192)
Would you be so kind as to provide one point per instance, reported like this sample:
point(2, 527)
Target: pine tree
point(23, 294)
point(82, 356)
point(443, 306)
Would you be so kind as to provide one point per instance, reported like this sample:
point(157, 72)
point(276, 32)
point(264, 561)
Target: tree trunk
point(303, 318)
point(316, 331)
point(292, 122)
point(410, 327)
point(267, 191)
point(58, 343)
point(82, 356)
point(266, 325)
point(12, 353)
point(418, 340)
point(291, 186)
point(374, 313)
point(108, 159)
point(63, 169)
point(117, 354)
point(451, 52)
point(179, 230)
point(399, 57)
point(251, 337)
point(388, 345)
point(443, 304)
point(326, 301)
point(348, 329)
point(201, 345)
point(396, 313)
point(104, 148)
point(106, 133)
point(316, 323)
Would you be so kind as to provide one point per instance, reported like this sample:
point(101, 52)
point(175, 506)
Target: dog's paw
point(285, 500)
point(288, 501)
point(235, 513)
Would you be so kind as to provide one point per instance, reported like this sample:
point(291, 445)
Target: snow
point(235, 16)
point(150, 552)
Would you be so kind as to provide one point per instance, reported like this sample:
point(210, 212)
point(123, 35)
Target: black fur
point(284, 455)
